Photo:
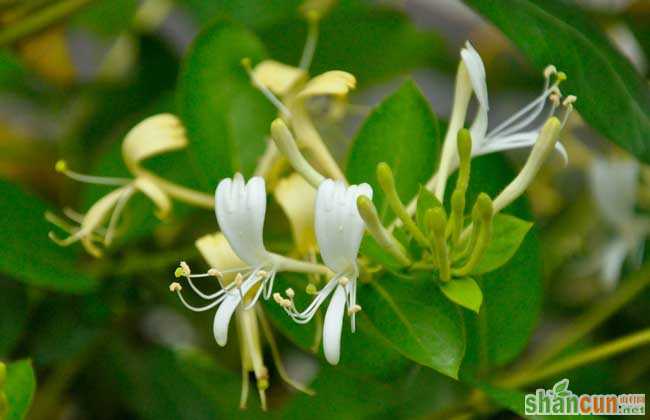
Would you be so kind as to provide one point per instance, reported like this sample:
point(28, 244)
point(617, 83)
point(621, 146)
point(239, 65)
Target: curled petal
point(279, 78)
point(335, 82)
point(476, 71)
point(154, 135)
point(332, 326)
point(240, 210)
point(227, 308)
point(158, 196)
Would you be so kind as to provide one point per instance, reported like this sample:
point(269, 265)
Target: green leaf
point(252, 13)
point(612, 96)
point(227, 119)
point(508, 232)
point(465, 292)
point(27, 254)
point(403, 132)
point(13, 314)
point(19, 388)
point(355, 38)
point(418, 320)
point(371, 249)
point(426, 201)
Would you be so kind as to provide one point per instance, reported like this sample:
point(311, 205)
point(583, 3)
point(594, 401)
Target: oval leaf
point(508, 232)
point(403, 132)
point(19, 388)
point(465, 292)
point(418, 320)
point(227, 119)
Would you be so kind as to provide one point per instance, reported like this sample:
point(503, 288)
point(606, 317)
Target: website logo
point(561, 401)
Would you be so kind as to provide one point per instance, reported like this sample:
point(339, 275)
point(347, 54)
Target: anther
point(185, 268)
point(343, 280)
point(311, 289)
point(290, 293)
point(61, 166)
point(561, 76)
point(215, 273)
point(569, 100)
point(175, 287)
point(354, 309)
point(549, 71)
point(278, 298)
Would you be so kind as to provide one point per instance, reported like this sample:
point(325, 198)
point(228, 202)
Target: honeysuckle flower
point(518, 131)
point(294, 88)
point(216, 250)
point(155, 135)
point(240, 210)
point(614, 186)
point(339, 229)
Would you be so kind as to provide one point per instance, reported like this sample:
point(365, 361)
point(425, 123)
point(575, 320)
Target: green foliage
point(404, 311)
point(354, 39)
point(27, 254)
point(227, 119)
point(612, 97)
point(403, 132)
point(13, 314)
point(465, 292)
point(19, 388)
point(508, 232)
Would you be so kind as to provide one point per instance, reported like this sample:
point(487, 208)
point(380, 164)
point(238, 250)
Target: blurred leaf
point(162, 384)
point(612, 97)
point(253, 13)
point(507, 234)
point(13, 314)
point(227, 119)
point(107, 18)
point(341, 394)
point(465, 292)
point(371, 249)
point(418, 320)
point(512, 293)
point(372, 43)
point(26, 252)
point(50, 341)
point(20, 385)
point(403, 132)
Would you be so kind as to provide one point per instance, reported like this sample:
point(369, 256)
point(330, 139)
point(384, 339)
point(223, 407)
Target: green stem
point(593, 318)
point(602, 351)
point(40, 20)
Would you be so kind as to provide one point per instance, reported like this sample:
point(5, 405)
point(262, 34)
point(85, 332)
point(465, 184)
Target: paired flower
point(520, 130)
point(153, 136)
point(240, 210)
point(339, 229)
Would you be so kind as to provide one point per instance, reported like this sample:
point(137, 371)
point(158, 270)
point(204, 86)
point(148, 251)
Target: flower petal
point(280, 78)
point(149, 188)
point(333, 82)
point(614, 185)
point(612, 259)
point(227, 308)
point(476, 70)
point(297, 198)
point(240, 211)
point(216, 250)
point(339, 227)
point(333, 325)
point(154, 135)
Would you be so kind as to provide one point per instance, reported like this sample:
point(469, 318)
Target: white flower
point(240, 209)
point(614, 186)
point(522, 128)
point(339, 229)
